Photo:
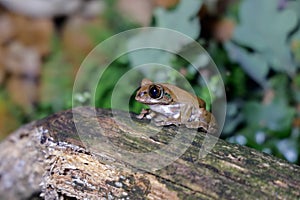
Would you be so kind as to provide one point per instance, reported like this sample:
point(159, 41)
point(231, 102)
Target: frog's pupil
point(155, 91)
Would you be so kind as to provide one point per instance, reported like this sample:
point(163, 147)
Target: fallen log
point(48, 159)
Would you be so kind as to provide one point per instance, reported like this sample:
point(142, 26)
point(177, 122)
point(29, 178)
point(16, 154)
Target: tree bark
point(48, 159)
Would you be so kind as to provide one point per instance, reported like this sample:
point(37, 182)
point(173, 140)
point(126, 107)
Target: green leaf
point(265, 29)
point(182, 18)
point(252, 63)
point(295, 6)
point(276, 116)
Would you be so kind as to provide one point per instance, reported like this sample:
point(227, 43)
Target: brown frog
point(170, 104)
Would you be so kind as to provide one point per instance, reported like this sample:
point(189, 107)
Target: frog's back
point(183, 96)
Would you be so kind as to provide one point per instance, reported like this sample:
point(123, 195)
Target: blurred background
point(255, 45)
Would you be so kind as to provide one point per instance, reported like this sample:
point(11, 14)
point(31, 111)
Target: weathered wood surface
point(46, 159)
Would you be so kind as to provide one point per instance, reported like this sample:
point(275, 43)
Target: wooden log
point(48, 159)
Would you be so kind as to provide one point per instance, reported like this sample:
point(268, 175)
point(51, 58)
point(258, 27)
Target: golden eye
point(155, 91)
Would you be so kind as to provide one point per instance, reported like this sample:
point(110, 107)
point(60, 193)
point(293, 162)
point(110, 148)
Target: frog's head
point(151, 93)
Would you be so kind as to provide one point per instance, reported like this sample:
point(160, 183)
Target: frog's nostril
point(142, 94)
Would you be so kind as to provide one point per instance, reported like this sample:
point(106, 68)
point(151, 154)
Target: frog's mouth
point(150, 101)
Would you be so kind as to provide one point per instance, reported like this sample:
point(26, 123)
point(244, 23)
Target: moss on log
point(47, 159)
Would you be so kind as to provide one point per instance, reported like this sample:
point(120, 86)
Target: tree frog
point(170, 104)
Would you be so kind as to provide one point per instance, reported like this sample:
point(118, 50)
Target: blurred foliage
point(270, 49)
point(264, 45)
point(186, 22)
point(258, 57)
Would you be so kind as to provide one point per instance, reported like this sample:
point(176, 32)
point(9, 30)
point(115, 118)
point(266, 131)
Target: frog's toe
point(140, 116)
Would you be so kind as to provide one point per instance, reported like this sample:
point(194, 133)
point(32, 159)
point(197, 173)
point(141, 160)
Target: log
point(54, 158)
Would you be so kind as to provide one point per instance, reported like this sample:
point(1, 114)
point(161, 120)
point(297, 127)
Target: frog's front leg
point(146, 113)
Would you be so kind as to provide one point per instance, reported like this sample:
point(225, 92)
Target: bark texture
point(47, 159)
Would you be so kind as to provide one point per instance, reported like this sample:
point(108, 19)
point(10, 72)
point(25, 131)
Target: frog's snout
point(140, 95)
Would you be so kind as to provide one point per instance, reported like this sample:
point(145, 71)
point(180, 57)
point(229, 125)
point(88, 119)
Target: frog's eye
point(155, 91)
